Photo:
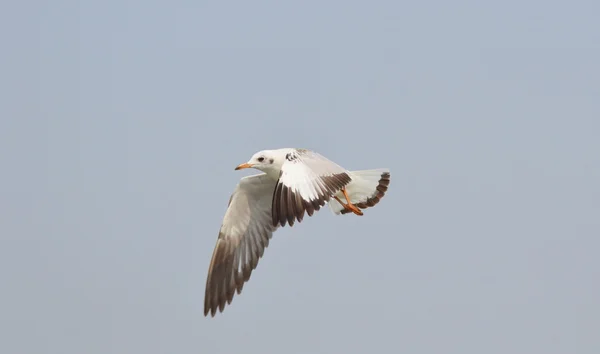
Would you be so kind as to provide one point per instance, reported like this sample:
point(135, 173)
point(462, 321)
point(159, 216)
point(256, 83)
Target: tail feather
point(365, 190)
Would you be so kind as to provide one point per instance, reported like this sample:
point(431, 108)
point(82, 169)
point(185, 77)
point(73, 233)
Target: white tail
point(366, 189)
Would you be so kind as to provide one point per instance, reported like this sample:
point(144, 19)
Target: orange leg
point(351, 207)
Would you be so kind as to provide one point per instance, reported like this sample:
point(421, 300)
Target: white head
point(268, 161)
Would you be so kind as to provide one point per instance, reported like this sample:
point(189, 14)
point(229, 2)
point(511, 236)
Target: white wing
point(243, 237)
point(307, 181)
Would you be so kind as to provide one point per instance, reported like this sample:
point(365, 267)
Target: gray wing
point(243, 237)
point(307, 181)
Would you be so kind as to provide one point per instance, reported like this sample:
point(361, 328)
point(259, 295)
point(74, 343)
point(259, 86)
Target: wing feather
point(307, 181)
point(243, 237)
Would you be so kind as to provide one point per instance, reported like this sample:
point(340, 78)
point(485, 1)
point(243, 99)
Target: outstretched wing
point(306, 182)
point(243, 237)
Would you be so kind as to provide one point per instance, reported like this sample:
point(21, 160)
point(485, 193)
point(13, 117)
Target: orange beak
point(242, 166)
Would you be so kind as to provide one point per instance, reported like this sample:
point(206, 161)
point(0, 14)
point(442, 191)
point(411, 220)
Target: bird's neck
point(273, 174)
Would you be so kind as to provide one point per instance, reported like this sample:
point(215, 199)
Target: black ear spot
point(271, 161)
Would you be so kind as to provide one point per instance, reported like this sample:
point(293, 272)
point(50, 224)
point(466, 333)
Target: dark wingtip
point(379, 193)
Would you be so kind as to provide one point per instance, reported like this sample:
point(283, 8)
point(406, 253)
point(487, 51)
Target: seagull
point(294, 182)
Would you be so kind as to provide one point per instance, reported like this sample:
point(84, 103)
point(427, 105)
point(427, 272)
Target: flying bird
point(294, 182)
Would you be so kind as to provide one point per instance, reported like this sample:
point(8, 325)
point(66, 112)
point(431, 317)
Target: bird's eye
point(261, 159)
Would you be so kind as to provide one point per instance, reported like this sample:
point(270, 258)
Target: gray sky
point(122, 123)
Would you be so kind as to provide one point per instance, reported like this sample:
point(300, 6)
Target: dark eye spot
point(261, 159)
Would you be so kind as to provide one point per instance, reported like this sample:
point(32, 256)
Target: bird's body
point(295, 182)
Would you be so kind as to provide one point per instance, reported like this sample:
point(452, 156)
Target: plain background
point(121, 123)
